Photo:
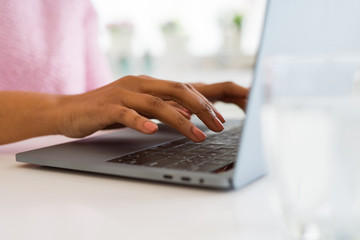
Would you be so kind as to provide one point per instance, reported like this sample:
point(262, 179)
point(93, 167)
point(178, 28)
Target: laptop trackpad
point(101, 148)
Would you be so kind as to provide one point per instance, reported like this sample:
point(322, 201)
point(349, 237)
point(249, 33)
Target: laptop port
point(186, 179)
point(168, 176)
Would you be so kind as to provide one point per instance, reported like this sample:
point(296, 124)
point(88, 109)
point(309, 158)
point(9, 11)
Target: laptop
point(233, 158)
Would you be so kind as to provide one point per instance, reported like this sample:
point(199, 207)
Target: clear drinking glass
point(311, 124)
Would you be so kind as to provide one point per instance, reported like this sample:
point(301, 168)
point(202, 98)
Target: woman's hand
point(132, 100)
point(228, 92)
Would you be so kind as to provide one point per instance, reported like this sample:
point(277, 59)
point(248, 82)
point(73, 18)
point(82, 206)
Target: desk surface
point(45, 203)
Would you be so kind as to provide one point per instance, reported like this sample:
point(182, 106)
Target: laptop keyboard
point(217, 152)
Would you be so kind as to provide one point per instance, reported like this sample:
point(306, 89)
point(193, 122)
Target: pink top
point(50, 46)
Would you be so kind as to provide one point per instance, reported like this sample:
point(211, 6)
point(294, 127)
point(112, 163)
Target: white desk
point(45, 203)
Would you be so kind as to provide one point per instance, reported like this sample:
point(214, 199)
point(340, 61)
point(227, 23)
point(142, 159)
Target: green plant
point(237, 20)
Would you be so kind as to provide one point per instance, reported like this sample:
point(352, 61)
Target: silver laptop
point(233, 158)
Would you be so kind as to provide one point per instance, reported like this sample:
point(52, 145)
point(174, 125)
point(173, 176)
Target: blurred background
point(182, 40)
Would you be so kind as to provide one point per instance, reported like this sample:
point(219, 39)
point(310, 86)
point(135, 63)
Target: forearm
point(25, 114)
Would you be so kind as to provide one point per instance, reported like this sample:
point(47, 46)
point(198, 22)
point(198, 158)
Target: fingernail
point(198, 134)
point(150, 126)
point(221, 118)
point(218, 124)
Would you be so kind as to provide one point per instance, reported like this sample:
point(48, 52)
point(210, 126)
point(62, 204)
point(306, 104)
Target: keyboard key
point(231, 154)
point(162, 154)
point(200, 157)
point(141, 161)
point(211, 145)
point(182, 165)
point(225, 150)
point(195, 161)
point(213, 154)
point(161, 163)
point(179, 157)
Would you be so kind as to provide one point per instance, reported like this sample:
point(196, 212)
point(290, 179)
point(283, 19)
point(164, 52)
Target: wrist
point(49, 114)
point(63, 111)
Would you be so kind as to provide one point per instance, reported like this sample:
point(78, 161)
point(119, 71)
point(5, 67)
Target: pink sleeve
point(97, 67)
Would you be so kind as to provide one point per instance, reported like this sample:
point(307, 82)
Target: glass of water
point(311, 124)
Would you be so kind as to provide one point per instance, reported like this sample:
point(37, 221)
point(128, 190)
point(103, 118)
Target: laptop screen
point(324, 31)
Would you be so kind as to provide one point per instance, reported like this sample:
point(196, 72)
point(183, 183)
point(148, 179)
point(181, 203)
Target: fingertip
point(150, 127)
point(219, 125)
point(220, 117)
point(198, 134)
